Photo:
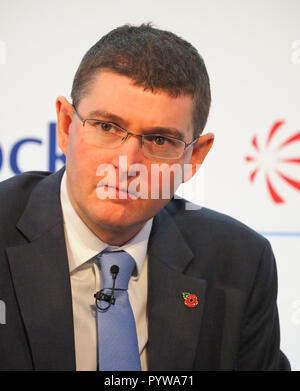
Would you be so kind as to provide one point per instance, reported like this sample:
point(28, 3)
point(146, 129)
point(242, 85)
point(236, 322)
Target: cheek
point(82, 161)
point(164, 179)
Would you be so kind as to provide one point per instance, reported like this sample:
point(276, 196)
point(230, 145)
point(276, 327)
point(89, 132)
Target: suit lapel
point(41, 278)
point(173, 327)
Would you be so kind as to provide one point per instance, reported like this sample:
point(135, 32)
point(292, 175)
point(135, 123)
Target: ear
point(64, 112)
point(199, 152)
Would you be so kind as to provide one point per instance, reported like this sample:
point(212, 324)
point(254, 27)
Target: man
point(203, 286)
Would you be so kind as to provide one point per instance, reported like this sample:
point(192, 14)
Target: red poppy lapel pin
point(190, 300)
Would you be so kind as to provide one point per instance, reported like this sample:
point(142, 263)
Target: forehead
point(138, 108)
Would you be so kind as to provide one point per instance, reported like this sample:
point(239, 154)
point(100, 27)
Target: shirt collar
point(83, 245)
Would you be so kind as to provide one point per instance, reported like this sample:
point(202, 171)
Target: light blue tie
point(117, 339)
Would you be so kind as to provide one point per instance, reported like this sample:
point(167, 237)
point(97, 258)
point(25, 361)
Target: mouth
point(113, 192)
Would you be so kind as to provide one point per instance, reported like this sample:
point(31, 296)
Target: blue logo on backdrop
point(53, 155)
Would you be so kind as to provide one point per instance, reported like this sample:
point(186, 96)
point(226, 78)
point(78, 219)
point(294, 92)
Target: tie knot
point(107, 259)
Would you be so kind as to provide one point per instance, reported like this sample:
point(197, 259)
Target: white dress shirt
point(82, 246)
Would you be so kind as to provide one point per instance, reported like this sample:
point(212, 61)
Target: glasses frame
point(142, 136)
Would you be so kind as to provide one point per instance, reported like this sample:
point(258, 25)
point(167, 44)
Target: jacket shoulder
point(201, 219)
point(15, 191)
point(223, 237)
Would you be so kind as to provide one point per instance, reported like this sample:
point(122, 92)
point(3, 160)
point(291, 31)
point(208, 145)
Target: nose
point(132, 150)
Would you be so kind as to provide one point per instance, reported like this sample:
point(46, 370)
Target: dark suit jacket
point(229, 267)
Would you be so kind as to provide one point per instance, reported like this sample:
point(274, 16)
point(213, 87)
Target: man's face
point(139, 112)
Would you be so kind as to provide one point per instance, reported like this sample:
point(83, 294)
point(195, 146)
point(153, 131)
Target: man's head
point(146, 81)
point(155, 60)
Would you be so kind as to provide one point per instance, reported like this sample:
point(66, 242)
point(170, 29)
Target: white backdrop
point(252, 52)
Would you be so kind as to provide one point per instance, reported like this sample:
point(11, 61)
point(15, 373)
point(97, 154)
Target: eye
point(107, 127)
point(100, 125)
point(159, 140)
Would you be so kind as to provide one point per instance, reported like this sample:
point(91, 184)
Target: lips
point(126, 191)
point(117, 191)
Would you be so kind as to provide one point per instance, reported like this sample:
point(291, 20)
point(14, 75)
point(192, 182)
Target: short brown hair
point(154, 59)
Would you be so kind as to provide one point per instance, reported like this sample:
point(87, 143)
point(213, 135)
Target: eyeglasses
point(111, 135)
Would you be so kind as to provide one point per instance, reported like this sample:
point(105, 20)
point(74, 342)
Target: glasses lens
point(104, 133)
point(110, 135)
point(163, 147)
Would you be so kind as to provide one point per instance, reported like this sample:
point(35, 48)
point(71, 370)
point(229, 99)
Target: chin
point(119, 214)
point(110, 215)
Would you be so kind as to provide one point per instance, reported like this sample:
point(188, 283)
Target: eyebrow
point(107, 116)
point(172, 132)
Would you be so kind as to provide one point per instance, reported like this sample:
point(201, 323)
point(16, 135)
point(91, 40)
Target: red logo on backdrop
point(272, 158)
